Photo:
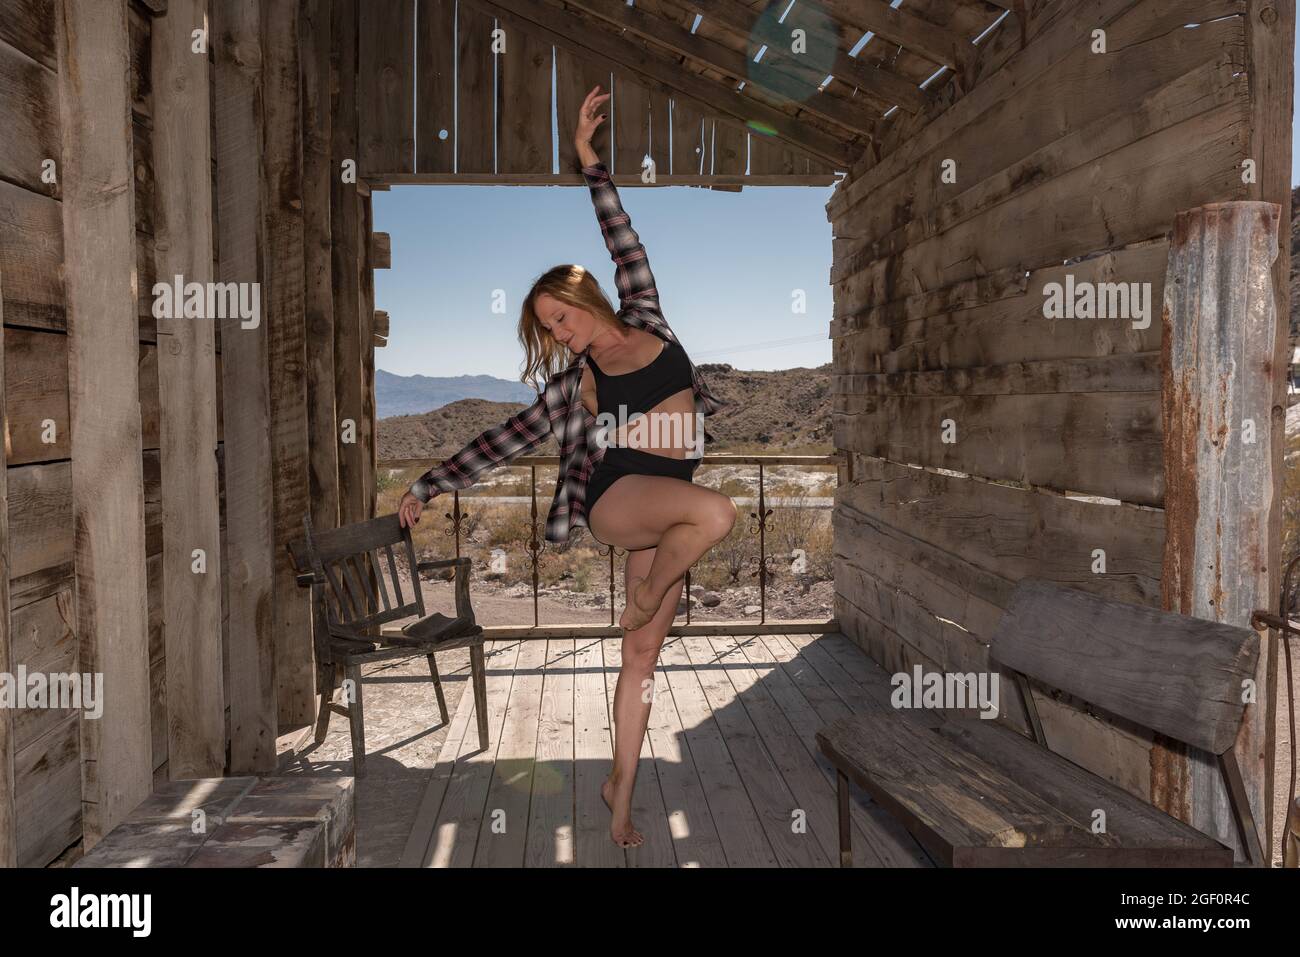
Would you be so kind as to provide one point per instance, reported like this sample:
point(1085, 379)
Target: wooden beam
point(345, 218)
point(366, 425)
point(187, 399)
point(246, 393)
point(600, 46)
point(107, 506)
point(8, 805)
point(733, 63)
point(899, 25)
point(1270, 64)
point(381, 251)
point(284, 293)
point(762, 28)
point(317, 173)
point(572, 179)
point(381, 323)
point(1220, 323)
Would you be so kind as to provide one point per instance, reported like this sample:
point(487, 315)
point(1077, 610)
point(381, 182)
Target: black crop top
point(642, 389)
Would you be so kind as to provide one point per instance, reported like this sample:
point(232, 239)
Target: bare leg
point(633, 699)
point(679, 519)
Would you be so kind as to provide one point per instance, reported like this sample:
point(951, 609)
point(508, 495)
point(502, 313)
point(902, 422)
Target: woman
point(629, 484)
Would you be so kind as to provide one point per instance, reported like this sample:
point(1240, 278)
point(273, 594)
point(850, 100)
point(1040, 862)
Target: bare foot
point(621, 830)
point(636, 615)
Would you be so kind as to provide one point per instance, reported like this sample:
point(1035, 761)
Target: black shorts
point(620, 460)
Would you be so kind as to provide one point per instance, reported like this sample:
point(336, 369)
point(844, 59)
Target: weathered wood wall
point(1066, 161)
point(251, 495)
point(420, 122)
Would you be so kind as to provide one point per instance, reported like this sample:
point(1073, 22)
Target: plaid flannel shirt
point(559, 410)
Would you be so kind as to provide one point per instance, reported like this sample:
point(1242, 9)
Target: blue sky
point(726, 265)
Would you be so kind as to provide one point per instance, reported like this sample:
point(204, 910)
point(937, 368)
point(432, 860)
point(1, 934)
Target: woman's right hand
point(409, 509)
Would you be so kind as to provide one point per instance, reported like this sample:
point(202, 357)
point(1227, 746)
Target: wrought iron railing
point(757, 524)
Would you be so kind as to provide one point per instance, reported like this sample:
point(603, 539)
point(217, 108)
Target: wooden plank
point(524, 117)
point(550, 812)
point(658, 72)
point(1128, 23)
point(660, 123)
point(1270, 46)
point(1140, 91)
point(575, 77)
point(317, 173)
point(38, 541)
point(43, 641)
point(366, 430)
point(963, 325)
point(743, 836)
point(381, 251)
point(28, 25)
point(759, 763)
point(479, 98)
point(895, 761)
point(29, 100)
point(386, 86)
point(1173, 673)
point(187, 399)
point(36, 376)
point(824, 42)
point(8, 816)
point(246, 394)
point(435, 90)
point(464, 807)
point(1220, 320)
point(631, 119)
point(1130, 195)
point(345, 271)
point(1105, 443)
point(283, 296)
point(107, 482)
point(932, 40)
point(503, 831)
point(689, 148)
point(730, 150)
point(785, 82)
point(876, 835)
point(31, 258)
point(47, 793)
point(593, 752)
point(984, 523)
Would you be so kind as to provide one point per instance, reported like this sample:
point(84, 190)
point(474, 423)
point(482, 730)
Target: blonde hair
point(570, 284)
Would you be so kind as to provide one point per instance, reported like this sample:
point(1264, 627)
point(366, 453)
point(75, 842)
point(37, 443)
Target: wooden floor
point(729, 774)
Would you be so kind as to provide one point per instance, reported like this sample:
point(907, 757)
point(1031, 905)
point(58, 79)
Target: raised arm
point(632, 276)
point(492, 447)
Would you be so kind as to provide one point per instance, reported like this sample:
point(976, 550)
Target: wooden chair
point(976, 793)
point(351, 600)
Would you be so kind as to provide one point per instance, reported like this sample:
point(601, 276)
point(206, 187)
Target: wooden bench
point(976, 793)
point(295, 820)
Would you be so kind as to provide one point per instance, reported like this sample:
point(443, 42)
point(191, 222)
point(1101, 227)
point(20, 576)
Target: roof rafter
point(728, 61)
point(885, 84)
point(930, 40)
point(561, 28)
